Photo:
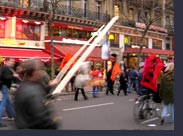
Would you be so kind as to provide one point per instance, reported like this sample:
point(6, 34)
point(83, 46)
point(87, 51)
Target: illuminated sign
point(75, 27)
point(8, 42)
point(21, 43)
point(126, 41)
point(73, 41)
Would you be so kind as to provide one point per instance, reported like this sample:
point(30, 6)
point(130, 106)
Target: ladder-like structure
point(97, 38)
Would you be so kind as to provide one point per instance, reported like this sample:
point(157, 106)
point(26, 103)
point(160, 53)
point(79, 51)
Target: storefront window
point(131, 41)
point(114, 42)
point(157, 44)
point(70, 33)
point(27, 31)
point(127, 41)
point(2, 28)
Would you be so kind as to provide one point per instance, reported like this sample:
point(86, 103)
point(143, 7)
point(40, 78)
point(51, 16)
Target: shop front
point(131, 55)
point(21, 39)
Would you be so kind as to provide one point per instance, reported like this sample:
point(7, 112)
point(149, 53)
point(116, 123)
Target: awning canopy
point(65, 49)
point(147, 50)
point(23, 54)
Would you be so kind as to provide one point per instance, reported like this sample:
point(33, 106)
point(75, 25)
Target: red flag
point(115, 71)
point(65, 60)
point(152, 67)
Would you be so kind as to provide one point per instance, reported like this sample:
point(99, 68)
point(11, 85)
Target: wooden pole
point(65, 80)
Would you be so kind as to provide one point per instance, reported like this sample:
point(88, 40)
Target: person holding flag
point(111, 75)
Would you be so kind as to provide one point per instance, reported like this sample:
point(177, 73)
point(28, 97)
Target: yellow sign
point(126, 40)
point(8, 42)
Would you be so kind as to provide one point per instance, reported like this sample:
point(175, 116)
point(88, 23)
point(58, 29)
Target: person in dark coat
point(133, 76)
point(167, 93)
point(123, 80)
point(7, 77)
point(110, 83)
point(32, 108)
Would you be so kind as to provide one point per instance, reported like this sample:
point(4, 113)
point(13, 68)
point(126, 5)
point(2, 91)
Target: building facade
point(26, 24)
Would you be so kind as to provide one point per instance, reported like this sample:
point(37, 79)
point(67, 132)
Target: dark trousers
point(124, 88)
point(77, 92)
point(110, 88)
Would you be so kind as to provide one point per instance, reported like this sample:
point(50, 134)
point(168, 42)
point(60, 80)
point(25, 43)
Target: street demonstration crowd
point(25, 92)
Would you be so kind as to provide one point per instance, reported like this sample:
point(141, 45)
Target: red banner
point(65, 60)
point(115, 71)
point(152, 67)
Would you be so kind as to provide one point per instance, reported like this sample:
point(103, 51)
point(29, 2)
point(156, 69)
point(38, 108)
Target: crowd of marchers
point(25, 91)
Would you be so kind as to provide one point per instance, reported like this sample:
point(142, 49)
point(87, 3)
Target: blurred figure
point(133, 75)
point(110, 83)
point(72, 80)
point(7, 77)
point(80, 83)
point(123, 80)
point(31, 106)
point(97, 75)
point(81, 78)
point(167, 93)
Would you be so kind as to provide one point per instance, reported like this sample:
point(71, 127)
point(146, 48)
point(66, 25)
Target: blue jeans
point(95, 91)
point(165, 111)
point(133, 82)
point(6, 104)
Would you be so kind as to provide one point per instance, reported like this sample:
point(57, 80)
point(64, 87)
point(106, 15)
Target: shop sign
point(72, 41)
point(21, 43)
point(8, 42)
point(153, 27)
point(126, 41)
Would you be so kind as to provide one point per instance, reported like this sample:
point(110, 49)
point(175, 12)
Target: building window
point(69, 6)
point(131, 14)
point(134, 41)
point(85, 8)
point(157, 44)
point(115, 42)
point(71, 32)
point(98, 9)
point(27, 31)
point(2, 28)
point(139, 16)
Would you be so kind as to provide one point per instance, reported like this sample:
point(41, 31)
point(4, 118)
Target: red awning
point(65, 49)
point(22, 54)
point(147, 50)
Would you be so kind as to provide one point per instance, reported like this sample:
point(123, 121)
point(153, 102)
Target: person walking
point(97, 75)
point(72, 80)
point(80, 82)
point(167, 93)
point(33, 110)
point(123, 80)
point(110, 83)
point(133, 75)
point(7, 77)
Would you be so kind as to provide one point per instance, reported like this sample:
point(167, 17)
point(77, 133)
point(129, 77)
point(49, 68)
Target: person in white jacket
point(80, 82)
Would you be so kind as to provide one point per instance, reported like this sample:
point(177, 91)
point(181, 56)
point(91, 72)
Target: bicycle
point(145, 108)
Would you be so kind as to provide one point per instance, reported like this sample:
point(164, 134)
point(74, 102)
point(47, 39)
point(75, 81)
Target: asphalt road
point(102, 113)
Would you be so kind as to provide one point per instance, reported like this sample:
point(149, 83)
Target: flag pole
point(65, 80)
